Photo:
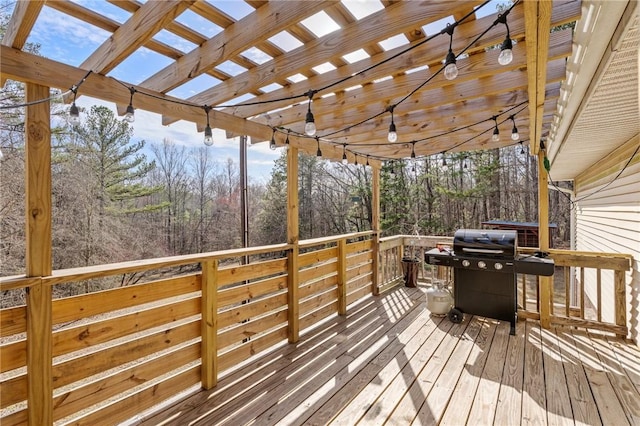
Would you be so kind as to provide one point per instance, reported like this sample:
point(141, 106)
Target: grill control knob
point(498, 266)
point(466, 263)
point(482, 264)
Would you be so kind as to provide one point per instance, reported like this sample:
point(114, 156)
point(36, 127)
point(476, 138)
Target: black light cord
point(584, 197)
point(73, 89)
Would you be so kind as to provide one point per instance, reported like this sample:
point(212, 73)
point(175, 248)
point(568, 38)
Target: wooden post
point(38, 257)
point(293, 237)
point(342, 276)
point(620, 300)
point(209, 324)
point(545, 283)
point(375, 226)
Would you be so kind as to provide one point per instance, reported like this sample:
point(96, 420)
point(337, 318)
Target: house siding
point(608, 220)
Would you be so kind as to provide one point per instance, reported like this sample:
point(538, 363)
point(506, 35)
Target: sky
point(76, 40)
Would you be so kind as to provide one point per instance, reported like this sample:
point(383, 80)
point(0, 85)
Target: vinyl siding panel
point(608, 220)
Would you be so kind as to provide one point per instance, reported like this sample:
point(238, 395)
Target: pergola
point(353, 103)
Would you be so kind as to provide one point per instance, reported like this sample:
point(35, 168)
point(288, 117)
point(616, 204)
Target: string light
point(514, 132)
point(129, 116)
point(445, 167)
point(272, 144)
point(450, 68)
point(344, 154)
point(413, 149)
point(286, 141)
point(367, 164)
point(496, 133)
point(355, 161)
point(506, 52)
point(74, 113)
point(208, 134)
point(318, 152)
point(309, 122)
point(393, 135)
point(464, 162)
point(522, 149)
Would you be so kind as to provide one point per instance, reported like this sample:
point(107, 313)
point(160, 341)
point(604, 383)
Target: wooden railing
point(393, 249)
point(601, 276)
point(111, 354)
point(117, 352)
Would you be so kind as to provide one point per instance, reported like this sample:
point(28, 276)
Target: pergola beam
point(22, 66)
point(141, 27)
point(537, 14)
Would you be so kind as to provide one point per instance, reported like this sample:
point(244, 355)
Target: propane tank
point(439, 298)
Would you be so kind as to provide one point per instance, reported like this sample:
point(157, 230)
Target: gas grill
point(486, 265)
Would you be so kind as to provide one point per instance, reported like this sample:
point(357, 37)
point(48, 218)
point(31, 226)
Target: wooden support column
point(545, 283)
point(375, 226)
point(209, 324)
point(342, 276)
point(293, 236)
point(38, 257)
point(620, 300)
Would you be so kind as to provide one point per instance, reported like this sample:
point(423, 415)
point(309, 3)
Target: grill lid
point(485, 242)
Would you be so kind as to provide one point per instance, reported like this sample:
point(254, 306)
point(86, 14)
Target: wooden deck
point(389, 362)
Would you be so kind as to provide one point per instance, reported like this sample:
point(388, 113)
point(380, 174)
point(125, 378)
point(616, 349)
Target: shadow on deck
point(389, 361)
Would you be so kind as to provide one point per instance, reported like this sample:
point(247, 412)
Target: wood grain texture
point(209, 324)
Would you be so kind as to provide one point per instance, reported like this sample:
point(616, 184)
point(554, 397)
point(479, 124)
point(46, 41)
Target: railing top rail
point(589, 259)
point(333, 238)
point(88, 272)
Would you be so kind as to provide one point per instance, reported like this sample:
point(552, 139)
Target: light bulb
point(130, 117)
point(74, 115)
point(506, 54)
point(310, 125)
point(318, 153)
point(344, 158)
point(208, 136)
point(496, 135)
point(392, 136)
point(515, 135)
point(450, 69)
point(272, 144)
point(505, 57)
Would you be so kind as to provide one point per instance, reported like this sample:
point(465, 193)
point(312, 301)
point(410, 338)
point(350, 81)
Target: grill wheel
point(456, 315)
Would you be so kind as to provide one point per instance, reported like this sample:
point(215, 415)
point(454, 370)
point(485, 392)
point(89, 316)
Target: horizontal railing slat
point(13, 321)
point(95, 391)
point(250, 329)
point(240, 293)
point(254, 308)
point(84, 336)
point(317, 256)
point(79, 307)
point(87, 365)
point(234, 274)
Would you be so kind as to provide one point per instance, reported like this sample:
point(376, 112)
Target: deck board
point(388, 361)
point(509, 408)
